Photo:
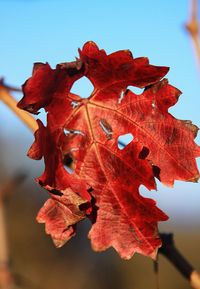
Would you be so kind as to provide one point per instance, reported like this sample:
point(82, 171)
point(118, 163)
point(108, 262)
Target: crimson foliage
point(104, 185)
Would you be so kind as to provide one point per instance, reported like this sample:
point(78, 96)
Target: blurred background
point(52, 31)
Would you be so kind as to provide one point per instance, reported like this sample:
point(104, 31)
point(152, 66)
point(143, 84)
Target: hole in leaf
point(68, 163)
point(144, 153)
point(56, 192)
point(66, 131)
point(74, 104)
point(156, 172)
point(153, 104)
point(85, 206)
point(124, 140)
point(90, 190)
point(73, 131)
point(43, 116)
point(76, 131)
point(82, 87)
point(106, 127)
point(121, 96)
point(135, 89)
point(93, 214)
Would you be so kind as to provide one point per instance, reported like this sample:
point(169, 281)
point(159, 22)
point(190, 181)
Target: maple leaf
point(88, 130)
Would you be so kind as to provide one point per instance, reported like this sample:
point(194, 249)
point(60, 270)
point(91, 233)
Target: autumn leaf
point(68, 192)
point(125, 220)
point(60, 214)
point(107, 178)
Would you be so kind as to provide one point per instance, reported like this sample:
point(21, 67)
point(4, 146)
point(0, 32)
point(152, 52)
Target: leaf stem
point(169, 250)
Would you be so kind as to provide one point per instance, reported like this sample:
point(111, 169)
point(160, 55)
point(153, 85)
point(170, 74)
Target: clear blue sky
point(32, 31)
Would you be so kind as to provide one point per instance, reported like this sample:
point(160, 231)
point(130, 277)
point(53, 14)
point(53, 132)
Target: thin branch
point(8, 87)
point(156, 272)
point(169, 250)
point(193, 28)
point(12, 104)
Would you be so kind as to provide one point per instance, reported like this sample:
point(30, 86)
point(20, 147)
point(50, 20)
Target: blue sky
point(52, 31)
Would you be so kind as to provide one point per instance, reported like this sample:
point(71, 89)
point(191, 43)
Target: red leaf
point(62, 211)
point(88, 131)
point(60, 214)
point(47, 144)
point(47, 84)
point(125, 220)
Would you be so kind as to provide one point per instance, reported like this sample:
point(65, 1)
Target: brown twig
point(156, 272)
point(169, 250)
point(7, 98)
point(193, 28)
point(8, 87)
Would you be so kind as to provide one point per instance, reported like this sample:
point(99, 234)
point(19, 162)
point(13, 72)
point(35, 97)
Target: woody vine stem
point(192, 28)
